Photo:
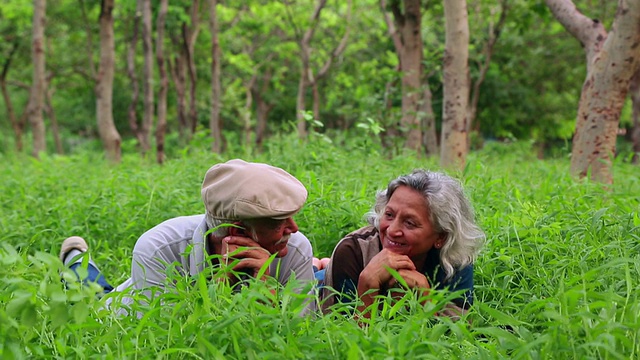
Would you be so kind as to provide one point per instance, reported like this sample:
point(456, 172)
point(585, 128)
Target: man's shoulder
point(178, 225)
point(299, 241)
point(189, 221)
point(169, 232)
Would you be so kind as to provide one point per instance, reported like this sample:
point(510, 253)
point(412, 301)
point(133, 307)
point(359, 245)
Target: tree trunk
point(391, 128)
point(178, 74)
point(190, 35)
point(54, 121)
point(183, 66)
point(38, 86)
point(262, 113)
point(247, 109)
point(147, 48)
point(262, 107)
point(104, 84)
point(131, 72)
point(612, 59)
point(193, 81)
point(216, 90)
point(161, 128)
point(16, 125)
point(300, 108)
point(456, 86)
point(411, 67)
point(429, 137)
point(635, 129)
point(316, 101)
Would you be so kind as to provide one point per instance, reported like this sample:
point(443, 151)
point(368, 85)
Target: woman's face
point(404, 226)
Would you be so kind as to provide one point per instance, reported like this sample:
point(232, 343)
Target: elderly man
point(249, 210)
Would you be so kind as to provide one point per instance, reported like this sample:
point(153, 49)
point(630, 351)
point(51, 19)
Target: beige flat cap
point(240, 190)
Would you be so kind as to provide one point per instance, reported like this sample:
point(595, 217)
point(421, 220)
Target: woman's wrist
point(366, 282)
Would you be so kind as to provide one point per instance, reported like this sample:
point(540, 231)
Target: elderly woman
point(422, 226)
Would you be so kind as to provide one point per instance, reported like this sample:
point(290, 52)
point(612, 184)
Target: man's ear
point(237, 229)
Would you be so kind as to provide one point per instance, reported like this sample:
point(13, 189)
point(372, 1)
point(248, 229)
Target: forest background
point(154, 76)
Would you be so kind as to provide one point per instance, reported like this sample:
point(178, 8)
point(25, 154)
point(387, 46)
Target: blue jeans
point(319, 274)
point(94, 275)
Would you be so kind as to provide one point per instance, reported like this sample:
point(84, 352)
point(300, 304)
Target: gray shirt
point(181, 240)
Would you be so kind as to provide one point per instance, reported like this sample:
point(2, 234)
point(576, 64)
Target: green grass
point(557, 279)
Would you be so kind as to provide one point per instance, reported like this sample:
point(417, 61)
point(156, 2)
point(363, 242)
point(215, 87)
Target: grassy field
point(559, 277)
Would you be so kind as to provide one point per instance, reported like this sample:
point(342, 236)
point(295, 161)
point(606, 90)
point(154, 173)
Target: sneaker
point(71, 243)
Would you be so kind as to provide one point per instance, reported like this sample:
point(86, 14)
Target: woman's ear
point(442, 238)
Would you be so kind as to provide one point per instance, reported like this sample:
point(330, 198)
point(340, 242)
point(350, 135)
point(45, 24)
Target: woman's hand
point(413, 278)
point(376, 274)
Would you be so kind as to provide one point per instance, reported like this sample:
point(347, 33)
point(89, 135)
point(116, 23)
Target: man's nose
point(290, 226)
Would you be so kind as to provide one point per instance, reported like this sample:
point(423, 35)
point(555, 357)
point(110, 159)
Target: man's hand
point(251, 255)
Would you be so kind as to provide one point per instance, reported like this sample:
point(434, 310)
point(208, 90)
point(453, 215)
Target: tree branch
point(393, 32)
point(339, 49)
point(19, 84)
point(397, 13)
point(92, 66)
point(7, 64)
point(296, 30)
point(308, 35)
point(590, 32)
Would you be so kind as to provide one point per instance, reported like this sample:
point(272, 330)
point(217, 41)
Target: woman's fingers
point(414, 279)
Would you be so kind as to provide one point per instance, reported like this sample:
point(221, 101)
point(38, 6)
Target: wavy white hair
point(450, 212)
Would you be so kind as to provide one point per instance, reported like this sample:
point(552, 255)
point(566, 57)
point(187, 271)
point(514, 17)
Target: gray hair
point(450, 213)
point(216, 224)
point(221, 226)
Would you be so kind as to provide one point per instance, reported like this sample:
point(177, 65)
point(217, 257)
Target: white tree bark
point(104, 84)
point(590, 32)
point(454, 137)
point(634, 88)
point(132, 74)
point(164, 82)
point(612, 59)
point(216, 89)
point(147, 49)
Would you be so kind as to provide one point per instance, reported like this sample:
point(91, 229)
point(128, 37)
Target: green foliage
point(531, 90)
point(558, 277)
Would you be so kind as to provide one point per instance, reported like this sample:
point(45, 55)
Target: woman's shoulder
point(367, 233)
point(354, 241)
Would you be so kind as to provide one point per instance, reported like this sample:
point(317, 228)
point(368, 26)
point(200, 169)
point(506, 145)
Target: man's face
point(273, 235)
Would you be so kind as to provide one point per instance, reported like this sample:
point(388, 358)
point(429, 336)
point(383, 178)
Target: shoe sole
point(70, 243)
